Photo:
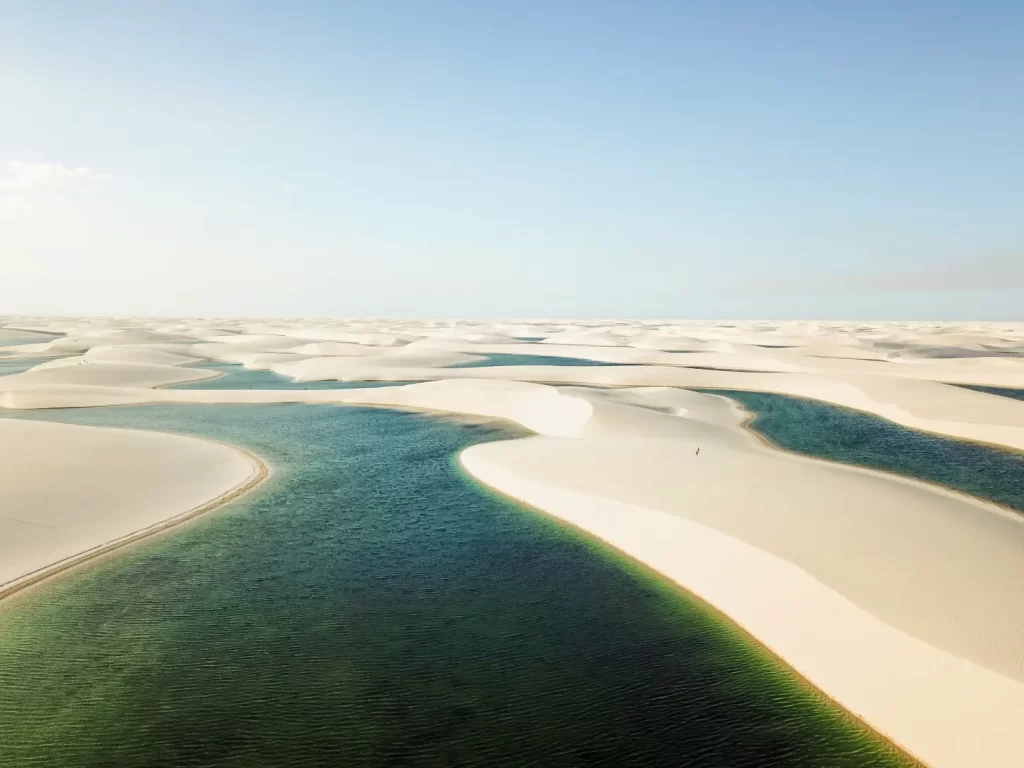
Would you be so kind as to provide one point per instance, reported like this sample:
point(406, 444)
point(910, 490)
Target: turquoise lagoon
point(369, 605)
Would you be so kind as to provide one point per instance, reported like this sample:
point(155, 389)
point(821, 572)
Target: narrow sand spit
point(943, 709)
point(894, 598)
point(71, 493)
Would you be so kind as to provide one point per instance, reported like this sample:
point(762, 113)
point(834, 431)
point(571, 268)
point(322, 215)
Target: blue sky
point(600, 159)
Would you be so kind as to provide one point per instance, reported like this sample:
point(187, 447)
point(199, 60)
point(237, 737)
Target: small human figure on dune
point(698, 451)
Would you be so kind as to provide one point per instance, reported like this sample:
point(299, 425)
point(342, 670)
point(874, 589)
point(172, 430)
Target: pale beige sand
point(153, 354)
point(85, 372)
point(333, 349)
point(897, 599)
point(68, 491)
point(920, 404)
point(941, 708)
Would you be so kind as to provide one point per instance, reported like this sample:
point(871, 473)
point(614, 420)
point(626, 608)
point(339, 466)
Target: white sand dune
point(85, 341)
point(896, 598)
point(69, 491)
point(587, 337)
point(669, 342)
point(164, 354)
point(810, 557)
point(85, 372)
point(334, 349)
point(942, 708)
point(377, 366)
point(147, 354)
point(261, 341)
point(263, 361)
point(233, 351)
point(916, 403)
point(373, 339)
point(60, 346)
point(919, 404)
point(357, 333)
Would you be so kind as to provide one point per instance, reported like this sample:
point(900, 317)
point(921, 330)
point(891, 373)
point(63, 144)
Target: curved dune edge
point(749, 426)
point(971, 715)
point(903, 372)
point(921, 405)
point(937, 705)
point(260, 471)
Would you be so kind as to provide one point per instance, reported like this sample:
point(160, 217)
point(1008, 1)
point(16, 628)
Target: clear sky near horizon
point(485, 159)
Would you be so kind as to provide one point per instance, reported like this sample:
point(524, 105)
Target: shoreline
point(213, 375)
point(672, 549)
point(260, 472)
point(749, 418)
point(611, 549)
point(1004, 447)
point(171, 392)
point(749, 586)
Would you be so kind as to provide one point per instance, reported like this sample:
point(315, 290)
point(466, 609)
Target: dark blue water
point(369, 606)
point(1016, 394)
point(841, 434)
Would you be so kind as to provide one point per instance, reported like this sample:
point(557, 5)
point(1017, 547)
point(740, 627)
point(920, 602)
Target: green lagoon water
point(841, 434)
point(370, 606)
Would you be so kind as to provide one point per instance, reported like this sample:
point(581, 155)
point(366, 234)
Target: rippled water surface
point(841, 434)
point(370, 606)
